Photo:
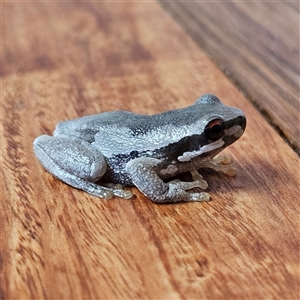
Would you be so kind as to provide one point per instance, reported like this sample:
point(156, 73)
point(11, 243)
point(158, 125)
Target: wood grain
point(64, 60)
point(257, 45)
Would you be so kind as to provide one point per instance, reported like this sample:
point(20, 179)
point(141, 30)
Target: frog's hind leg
point(76, 163)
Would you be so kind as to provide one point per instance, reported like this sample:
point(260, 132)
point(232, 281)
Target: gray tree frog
point(122, 148)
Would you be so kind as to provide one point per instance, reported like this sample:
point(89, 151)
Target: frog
point(105, 153)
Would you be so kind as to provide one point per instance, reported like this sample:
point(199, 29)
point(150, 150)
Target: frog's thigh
point(73, 163)
point(80, 159)
point(144, 177)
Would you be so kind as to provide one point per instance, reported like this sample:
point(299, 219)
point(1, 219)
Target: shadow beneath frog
point(258, 177)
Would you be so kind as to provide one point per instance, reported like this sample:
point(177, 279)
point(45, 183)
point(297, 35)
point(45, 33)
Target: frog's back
point(87, 127)
point(123, 122)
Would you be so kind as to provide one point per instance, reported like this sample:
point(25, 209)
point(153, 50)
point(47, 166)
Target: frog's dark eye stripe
point(214, 129)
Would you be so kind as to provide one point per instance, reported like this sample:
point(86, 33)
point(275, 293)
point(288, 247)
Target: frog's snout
point(243, 122)
point(240, 126)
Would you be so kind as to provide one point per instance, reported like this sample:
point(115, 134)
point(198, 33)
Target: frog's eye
point(214, 129)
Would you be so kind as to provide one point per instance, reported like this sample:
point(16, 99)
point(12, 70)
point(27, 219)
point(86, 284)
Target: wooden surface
point(64, 60)
point(257, 45)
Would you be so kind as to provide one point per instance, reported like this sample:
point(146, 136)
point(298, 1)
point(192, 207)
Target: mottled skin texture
point(121, 147)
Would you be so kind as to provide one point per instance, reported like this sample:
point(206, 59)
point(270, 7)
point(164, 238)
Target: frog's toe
point(106, 195)
point(127, 194)
point(221, 163)
point(199, 178)
point(199, 197)
point(222, 159)
point(230, 171)
point(117, 190)
point(123, 194)
point(202, 184)
point(226, 169)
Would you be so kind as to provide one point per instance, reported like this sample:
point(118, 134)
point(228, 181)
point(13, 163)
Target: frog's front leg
point(220, 163)
point(143, 172)
point(76, 163)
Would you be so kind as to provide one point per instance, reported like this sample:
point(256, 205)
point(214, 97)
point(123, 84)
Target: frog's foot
point(199, 178)
point(198, 182)
point(221, 163)
point(118, 191)
point(93, 189)
point(180, 187)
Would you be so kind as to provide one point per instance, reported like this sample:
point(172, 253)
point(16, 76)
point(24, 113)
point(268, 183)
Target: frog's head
point(216, 127)
point(222, 122)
